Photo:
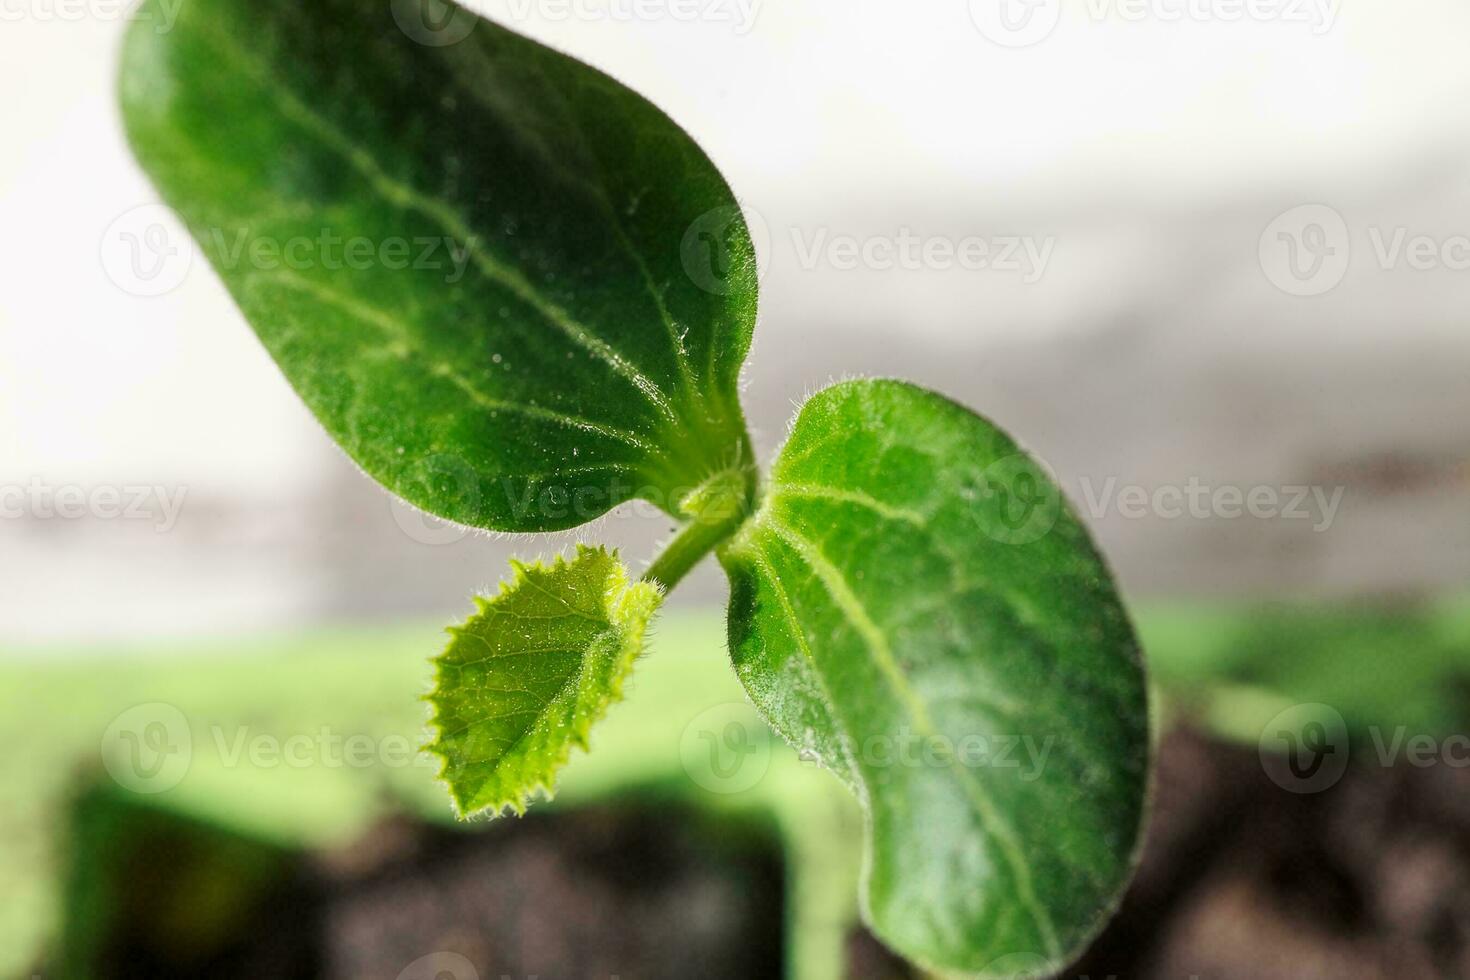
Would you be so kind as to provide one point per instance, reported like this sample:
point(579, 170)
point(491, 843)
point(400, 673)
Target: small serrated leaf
point(526, 677)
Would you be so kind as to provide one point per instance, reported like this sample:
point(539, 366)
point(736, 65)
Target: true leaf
point(526, 677)
point(512, 289)
point(915, 606)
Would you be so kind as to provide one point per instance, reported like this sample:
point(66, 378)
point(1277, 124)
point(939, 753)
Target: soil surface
point(592, 894)
point(1240, 880)
point(608, 892)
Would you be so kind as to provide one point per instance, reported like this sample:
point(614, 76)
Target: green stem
point(717, 508)
point(695, 540)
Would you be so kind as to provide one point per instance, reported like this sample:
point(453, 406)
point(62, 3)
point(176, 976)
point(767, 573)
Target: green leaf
point(530, 673)
point(915, 606)
point(512, 289)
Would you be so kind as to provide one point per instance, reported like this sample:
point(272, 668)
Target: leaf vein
point(395, 329)
point(856, 497)
point(407, 196)
point(994, 822)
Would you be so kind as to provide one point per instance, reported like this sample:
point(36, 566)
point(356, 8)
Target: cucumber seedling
point(904, 571)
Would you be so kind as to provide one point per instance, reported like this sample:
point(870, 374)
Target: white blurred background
point(1168, 336)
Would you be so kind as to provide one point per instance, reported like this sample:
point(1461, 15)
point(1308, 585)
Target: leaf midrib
point(407, 196)
point(391, 326)
point(598, 190)
point(568, 688)
point(758, 555)
point(992, 820)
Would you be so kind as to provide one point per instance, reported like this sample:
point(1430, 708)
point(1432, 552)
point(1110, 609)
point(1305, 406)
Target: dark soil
point(1240, 880)
point(602, 892)
point(591, 894)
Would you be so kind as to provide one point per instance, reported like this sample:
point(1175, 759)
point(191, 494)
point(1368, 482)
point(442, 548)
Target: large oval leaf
point(915, 606)
point(512, 289)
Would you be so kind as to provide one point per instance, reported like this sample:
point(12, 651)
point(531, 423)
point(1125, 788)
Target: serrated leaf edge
point(626, 604)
